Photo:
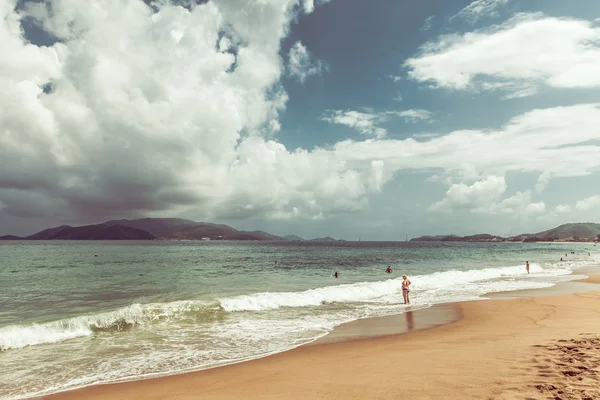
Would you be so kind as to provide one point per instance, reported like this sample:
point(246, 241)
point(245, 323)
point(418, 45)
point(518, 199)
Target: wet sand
point(590, 279)
point(524, 348)
point(408, 321)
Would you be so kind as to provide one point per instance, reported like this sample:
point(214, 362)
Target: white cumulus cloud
point(588, 204)
point(309, 5)
point(364, 122)
point(415, 115)
point(518, 205)
point(563, 208)
point(428, 23)
point(485, 197)
point(301, 63)
point(479, 9)
point(172, 110)
point(160, 109)
point(517, 57)
point(566, 147)
point(542, 181)
point(476, 196)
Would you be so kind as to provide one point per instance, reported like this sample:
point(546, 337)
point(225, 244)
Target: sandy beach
point(526, 348)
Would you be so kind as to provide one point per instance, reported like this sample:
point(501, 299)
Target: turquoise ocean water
point(69, 318)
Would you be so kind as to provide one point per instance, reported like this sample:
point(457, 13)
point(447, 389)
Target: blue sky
point(364, 44)
point(344, 118)
point(364, 47)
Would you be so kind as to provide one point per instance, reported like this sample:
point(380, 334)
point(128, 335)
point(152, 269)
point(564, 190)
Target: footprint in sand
point(568, 369)
point(544, 375)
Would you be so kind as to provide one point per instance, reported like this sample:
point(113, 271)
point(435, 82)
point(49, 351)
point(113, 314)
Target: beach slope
point(529, 348)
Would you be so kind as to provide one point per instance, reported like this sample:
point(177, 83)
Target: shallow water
point(70, 319)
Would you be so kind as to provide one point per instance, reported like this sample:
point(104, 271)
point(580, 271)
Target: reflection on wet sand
point(410, 323)
point(393, 324)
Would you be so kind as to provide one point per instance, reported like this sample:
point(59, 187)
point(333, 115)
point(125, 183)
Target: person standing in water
point(389, 270)
point(335, 275)
point(527, 266)
point(405, 289)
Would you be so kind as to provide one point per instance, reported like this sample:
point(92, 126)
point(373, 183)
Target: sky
point(376, 120)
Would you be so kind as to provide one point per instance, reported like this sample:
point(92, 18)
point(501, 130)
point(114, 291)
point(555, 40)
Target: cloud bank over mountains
point(158, 109)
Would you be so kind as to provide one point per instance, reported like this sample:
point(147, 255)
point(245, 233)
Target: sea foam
point(381, 290)
point(446, 286)
point(18, 336)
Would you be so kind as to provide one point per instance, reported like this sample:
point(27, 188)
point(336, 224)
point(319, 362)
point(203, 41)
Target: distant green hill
point(483, 237)
point(176, 228)
point(576, 231)
point(92, 232)
point(260, 235)
point(293, 237)
point(147, 228)
point(324, 239)
point(436, 238)
point(10, 237)
point(569, 232)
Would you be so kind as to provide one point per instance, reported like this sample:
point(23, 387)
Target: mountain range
point(87, 232)
point(577, 232)
point(184, 229)
point(148, 229)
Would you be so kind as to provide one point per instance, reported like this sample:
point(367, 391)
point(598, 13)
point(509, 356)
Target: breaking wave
point(470, 282)
point(375, 291)
point(18, 336)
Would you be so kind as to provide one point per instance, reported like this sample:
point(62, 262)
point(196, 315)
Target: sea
point(77, 313)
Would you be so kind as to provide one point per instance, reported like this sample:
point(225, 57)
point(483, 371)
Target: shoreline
point(362, 329)
point(569, 241)
point(397, 324)
point(595, 279)
point(361, 334)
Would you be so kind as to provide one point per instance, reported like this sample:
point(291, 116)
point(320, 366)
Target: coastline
point(486, 349)
point(569, 241)
point(590, 279)
point(397, 324)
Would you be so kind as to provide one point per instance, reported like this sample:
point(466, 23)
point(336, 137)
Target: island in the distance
point(576, 232)
point(87, 232)
point(150, 229)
